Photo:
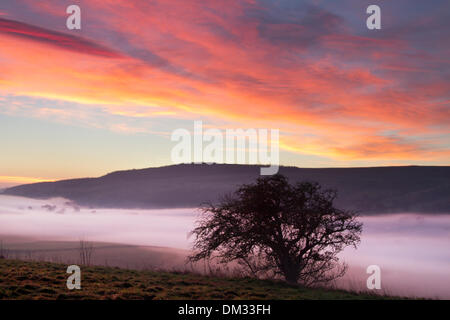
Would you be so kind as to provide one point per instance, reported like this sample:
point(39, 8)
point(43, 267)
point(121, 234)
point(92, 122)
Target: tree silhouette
point(274, 227)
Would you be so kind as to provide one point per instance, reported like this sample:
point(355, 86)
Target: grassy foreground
point(42, 280)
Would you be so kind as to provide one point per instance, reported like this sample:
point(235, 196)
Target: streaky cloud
point(55, 38)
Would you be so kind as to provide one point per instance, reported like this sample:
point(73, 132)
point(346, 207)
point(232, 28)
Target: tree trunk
point(292, 280)
point(291, 276)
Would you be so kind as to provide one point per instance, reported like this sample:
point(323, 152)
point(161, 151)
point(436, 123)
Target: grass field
point(42, 280)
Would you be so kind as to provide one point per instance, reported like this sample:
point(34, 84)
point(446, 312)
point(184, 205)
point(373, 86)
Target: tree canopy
point(274, 227)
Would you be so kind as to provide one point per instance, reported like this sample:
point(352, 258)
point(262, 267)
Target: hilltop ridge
point(367, 190)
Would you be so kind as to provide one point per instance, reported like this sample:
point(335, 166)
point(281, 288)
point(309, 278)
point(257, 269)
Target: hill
point(367, 190)
point(43, 280)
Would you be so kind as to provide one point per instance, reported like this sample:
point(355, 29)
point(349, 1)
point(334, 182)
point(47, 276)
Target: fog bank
point(412, 250)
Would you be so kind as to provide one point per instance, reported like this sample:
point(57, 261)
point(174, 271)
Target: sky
point(77, 103)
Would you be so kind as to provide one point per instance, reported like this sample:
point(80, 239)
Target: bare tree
point(4, 253)
point(275, 228)
point(86, 249)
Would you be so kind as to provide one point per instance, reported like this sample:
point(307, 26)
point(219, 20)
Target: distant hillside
point(368, 190)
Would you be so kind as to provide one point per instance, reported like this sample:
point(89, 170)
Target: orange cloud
point(332, 93)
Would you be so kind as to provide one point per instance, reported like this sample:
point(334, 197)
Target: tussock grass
point(44, 280)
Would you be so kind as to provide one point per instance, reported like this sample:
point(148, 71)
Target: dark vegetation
point(275, 229)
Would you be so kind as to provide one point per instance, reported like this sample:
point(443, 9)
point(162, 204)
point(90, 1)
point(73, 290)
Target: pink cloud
point(58, 39)
point(245, 63)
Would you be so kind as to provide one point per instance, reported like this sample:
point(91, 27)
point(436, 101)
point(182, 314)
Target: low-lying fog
point(412, 250)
